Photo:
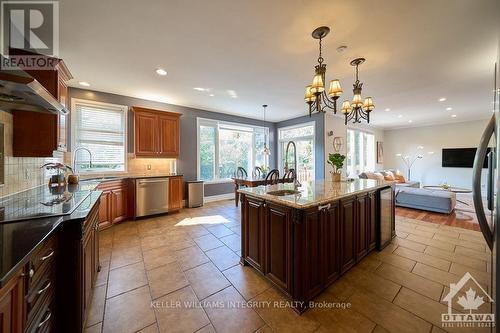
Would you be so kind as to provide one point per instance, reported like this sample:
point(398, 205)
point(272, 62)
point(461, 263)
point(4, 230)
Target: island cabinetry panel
point(254, 240)
point(348, 242)
point(372, 225)
point(331, 242)
point(362, 225)
point(278, 235)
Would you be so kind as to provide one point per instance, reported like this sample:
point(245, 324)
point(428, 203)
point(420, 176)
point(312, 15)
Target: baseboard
point(219, 197)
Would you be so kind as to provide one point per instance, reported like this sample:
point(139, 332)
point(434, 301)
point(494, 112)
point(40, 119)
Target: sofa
point(373, 175)
point(431, 200)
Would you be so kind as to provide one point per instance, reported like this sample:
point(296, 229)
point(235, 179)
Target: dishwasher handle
point(150, 181)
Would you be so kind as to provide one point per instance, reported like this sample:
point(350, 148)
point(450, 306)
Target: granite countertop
point(19, 239)
point(314, 193)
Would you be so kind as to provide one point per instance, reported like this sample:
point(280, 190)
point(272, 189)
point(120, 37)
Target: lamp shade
point(356, 101)
point(368, 104)
point(309, 96)
point(346, 107)
point(318, 86)
point(335, 88)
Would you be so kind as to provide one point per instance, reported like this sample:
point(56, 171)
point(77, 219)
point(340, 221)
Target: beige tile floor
point(154, 272)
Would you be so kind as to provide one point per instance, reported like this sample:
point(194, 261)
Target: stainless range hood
point(20, 91)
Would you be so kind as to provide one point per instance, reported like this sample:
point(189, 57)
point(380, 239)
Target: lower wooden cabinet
point(90, 259)
point(12, 305)
point(255, 238)
point(175, 185)
point(347, 234)
point(113, 203)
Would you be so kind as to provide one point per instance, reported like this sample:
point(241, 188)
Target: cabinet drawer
point(44, 319)
point(42, 258)
point(39, 292)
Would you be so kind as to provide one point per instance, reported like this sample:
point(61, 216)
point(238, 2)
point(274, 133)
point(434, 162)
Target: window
point(360, 152)
point(223, 147)
point(303, 136)
point(101, 128)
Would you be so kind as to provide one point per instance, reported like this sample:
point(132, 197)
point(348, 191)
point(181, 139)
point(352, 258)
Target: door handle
point(476, 181)
point(490, 183)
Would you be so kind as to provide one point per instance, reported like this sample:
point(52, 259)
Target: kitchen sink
point(281, 193)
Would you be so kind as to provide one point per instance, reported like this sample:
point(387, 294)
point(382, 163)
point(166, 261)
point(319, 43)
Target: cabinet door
point(331, 247)
point(88, 270)
point(278, 246)
point(362, 225)
point(168, 135)
point(372, 229)
point(175, 193)
point(313, 268)
point(253, 244)
point(118, 204)
point(104, 209)
point(12, 305)
point(34, 134)
point(347, 233)
point(146, 143)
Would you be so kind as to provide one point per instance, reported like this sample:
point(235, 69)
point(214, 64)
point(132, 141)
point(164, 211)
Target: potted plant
point(337, 162)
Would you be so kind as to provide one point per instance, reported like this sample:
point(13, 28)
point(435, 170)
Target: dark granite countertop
point(18, 240)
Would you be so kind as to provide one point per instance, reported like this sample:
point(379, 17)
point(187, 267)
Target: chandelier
point(316, 96)
point(357, 109)
point(266, 150)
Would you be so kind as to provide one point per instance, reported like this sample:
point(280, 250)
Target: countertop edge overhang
point(315, 193)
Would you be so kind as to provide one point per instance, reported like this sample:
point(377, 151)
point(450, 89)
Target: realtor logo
point(469, 305)
point(27, 28)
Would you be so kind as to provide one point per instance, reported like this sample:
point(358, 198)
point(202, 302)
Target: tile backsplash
point(21, 173)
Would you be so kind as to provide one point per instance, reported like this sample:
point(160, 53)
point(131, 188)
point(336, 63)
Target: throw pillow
point(400, 179)
point(378, 176)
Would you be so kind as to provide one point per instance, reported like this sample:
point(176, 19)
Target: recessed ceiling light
point(449, 108)
point(442, 99)
point(400, 116)
point(453, 115)
point(341, 48)
point(211, 95)
point(83, 83)
point(161, 71)
point(387, 110)
point(201, 89)
point(410, 121)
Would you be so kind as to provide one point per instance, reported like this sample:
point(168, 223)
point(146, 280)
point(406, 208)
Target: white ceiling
point(416, 51)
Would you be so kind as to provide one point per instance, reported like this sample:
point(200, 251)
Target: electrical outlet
point(149, 166)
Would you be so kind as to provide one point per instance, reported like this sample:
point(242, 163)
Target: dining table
point(252, 182)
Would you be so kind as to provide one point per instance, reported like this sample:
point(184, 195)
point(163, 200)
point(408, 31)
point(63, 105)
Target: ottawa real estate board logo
point(469, 305)
point(29, 36)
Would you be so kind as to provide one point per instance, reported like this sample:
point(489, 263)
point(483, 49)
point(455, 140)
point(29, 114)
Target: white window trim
point(216, 160)
point(124, 108)
point(366, 131)
point(306, 137)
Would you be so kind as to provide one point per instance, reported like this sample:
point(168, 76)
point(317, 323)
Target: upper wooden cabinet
point(157, 133)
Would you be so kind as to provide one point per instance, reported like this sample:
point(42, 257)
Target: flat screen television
point(460, 158)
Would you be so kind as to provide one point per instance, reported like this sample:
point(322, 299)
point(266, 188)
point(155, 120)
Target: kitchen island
point(303, 240)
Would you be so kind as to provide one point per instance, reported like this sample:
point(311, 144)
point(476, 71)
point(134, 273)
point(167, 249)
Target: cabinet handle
point(47, 256)
point(44, 289)
point(327, 206)
point(46, 319)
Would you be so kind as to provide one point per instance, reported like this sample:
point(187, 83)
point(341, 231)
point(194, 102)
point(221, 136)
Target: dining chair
point(241, 173)
point(257, 172)
point(273, 177)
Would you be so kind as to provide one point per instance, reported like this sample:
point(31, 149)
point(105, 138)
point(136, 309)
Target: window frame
point(306, 137)
point(216, 123)
point(352, 128)
point(74, 119)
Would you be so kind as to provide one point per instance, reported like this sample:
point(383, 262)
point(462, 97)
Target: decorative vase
point(335, 177)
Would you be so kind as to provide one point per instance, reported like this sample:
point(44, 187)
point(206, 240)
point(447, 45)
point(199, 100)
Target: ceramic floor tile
point(231, 315)
point(179, 312)
point(150, 329)
point(432, 242)
point(341, 320)
point(411, 244)
point(232, 241)
point(481, 276)
point(126, 278)
point(93, 329)
point(158, 257)
point(166, 279)
point(125, 256)
point(246, 280)
point(219, 230)
point(372, 282)
point(476, 264)
point(461, 242)
point(191, 257)
point(423, 258)
point(207, 329)
point(223, 257)
point(208, 242)
point(151, 242)
point(126, 241)
point(206, 280)
point(102, 275)
point(394, 260)
point(96, 309)
point(436, 275)
point(129, 312)
point(482, 255)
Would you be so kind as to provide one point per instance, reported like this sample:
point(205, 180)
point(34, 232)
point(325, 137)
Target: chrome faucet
point(296, 182)
point(74, 157)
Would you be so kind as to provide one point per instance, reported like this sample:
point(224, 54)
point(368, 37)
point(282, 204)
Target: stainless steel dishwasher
point(151, 196)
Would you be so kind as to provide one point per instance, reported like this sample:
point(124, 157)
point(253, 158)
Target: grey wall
point(187, 163)
point(319, 156)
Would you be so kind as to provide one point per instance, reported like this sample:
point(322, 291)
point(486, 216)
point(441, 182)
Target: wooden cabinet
point(12, 305)
point(175, 185)
point(90, 261)
point(331, 244)
point(372, 225)
point(347, 234)
point(37, 134)
point(113, 206)
point(156, 133)
point(362, 225)
point(253, 223)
